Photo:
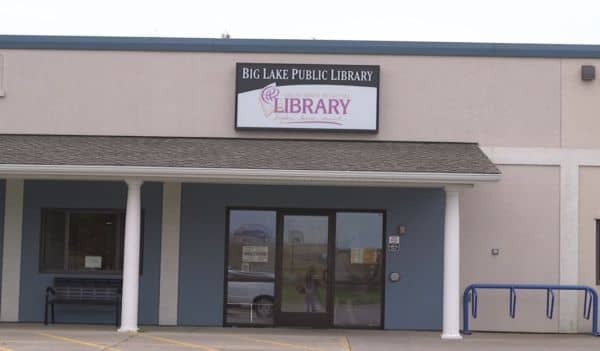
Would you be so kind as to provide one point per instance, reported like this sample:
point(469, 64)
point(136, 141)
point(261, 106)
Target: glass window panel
point(79, 240)
point(93, 241)
point(251, 267)
point(358, 269)
point(53, 248)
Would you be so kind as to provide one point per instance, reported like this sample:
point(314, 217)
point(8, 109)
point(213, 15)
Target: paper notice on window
point(363, 255)
point(370, 256)
point(356, 255)
point(255, 254)
point(245, 267)
point(93, 262)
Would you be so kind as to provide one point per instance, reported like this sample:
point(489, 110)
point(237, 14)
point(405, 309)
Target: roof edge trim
point(246, 176)
point(298, 46)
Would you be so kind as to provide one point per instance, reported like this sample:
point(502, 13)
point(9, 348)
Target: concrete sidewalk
point(27, 337)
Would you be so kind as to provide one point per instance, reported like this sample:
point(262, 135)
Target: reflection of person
point(310, 290)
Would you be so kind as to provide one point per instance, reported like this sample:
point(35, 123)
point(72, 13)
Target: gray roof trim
point(299, 46)
point(254, 156)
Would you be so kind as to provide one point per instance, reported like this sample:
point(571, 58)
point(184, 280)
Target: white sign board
point(315, 97)
point(93, 262)
point(255, 254)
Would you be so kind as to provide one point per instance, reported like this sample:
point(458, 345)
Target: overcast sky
point(518, 21)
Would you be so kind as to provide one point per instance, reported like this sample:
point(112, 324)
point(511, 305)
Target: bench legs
point(51, 305)
point(117, 313)
point(51, 313)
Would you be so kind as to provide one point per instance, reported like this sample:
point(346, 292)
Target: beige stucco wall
point(494, 101)
point(580, 105)
point(516, 102)
point(520, 216)
point(589, 211)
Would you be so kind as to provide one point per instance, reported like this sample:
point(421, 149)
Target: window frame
point(333, 212)
point(120, 242)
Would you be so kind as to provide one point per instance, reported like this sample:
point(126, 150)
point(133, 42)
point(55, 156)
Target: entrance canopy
point(258, 161)
point(246, 161)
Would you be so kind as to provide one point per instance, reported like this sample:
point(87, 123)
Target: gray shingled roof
point(328, 155)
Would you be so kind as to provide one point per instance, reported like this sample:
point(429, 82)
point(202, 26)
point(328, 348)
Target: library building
point(299, 183)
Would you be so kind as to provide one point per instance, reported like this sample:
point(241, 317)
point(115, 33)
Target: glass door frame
point(305, 319)
point(331, 212)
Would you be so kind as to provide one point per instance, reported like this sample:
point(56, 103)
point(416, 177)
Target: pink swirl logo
point(269, 93)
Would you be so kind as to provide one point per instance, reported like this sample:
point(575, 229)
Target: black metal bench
point(83, 291)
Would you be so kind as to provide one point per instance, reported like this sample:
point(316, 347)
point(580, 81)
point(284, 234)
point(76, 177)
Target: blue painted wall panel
point(70, 194)
point(413, 303)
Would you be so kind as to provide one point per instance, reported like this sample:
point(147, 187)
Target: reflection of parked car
point(256, 288)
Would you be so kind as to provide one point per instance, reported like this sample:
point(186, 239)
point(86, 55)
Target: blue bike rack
point(590, 302)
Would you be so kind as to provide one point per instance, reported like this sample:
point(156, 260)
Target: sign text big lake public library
point(303, 96)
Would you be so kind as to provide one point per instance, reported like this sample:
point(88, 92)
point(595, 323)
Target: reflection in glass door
point(250, 267)
point(303, 270)
point(358, 287)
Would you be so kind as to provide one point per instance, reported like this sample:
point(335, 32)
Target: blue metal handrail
point(512, 303)
point(550, 303)
point(590, 304)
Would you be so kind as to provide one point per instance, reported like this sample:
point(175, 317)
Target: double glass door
point(305, 268)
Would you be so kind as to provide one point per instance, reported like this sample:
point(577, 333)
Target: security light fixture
point(588, 73)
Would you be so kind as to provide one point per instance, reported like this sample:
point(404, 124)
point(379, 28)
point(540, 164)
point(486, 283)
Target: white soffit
point(247, 176)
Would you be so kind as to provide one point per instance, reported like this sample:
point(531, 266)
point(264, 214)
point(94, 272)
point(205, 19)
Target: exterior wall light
point(394, 276)
point(588, 73)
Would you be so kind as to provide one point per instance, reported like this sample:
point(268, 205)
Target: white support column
point(131, 259)
point(569, 244)
point(11, 251)
point(169, 255)
point(451, 299)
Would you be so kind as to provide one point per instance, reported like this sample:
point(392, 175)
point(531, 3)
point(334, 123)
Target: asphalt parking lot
point(22, 337)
